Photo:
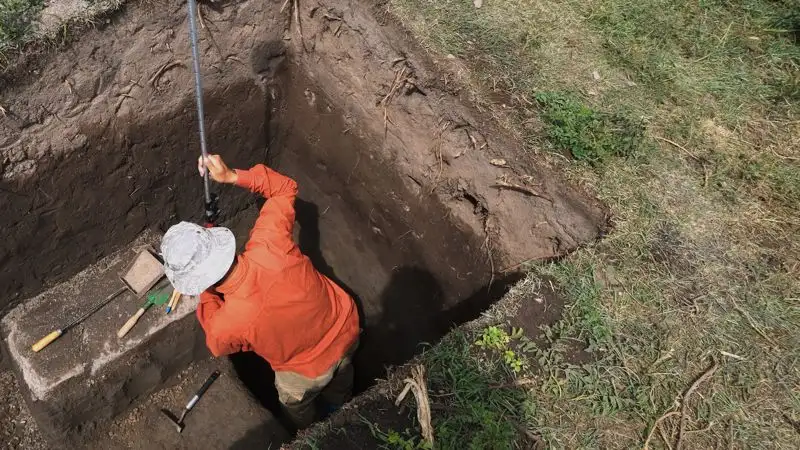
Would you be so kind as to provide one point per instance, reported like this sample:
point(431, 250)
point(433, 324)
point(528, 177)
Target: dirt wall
point(99, 142)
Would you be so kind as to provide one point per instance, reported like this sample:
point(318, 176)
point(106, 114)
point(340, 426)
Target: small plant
point(513, 361)
point(494, 337)
point(395, 440)
point(589, 135)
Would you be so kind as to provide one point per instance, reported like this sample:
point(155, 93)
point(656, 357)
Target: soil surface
point(17, 428)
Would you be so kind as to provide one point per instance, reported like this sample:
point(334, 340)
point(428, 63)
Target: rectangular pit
point(398, 201)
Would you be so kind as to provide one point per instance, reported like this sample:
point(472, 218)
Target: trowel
point(157, 298)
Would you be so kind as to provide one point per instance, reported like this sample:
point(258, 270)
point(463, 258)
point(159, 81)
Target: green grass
point(683, 118)
point(21, 26)
point(589, 135)
point(472, 406)
point(16, 23)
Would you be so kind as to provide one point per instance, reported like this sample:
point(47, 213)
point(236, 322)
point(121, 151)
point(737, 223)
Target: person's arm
point(224, 335)
point(276, 219)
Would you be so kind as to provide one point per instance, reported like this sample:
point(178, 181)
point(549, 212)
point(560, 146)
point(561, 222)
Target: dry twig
point(680, 147)
point(417, 385)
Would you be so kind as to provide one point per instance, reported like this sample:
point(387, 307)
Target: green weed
point(587, 134)
point(495, 338)
point(16, 22)
point(479, 410)
point(395, 440)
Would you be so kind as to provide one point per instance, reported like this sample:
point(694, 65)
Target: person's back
point(273, 302)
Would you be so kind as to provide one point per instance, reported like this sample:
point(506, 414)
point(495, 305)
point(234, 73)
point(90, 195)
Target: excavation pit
point(402, 198)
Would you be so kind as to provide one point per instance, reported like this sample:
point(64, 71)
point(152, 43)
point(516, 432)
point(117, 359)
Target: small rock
point(451, 56)
point(596, 75)
point(477, 3)
point(499, 162)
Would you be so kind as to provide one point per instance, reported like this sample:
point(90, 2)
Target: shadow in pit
point(414, 316)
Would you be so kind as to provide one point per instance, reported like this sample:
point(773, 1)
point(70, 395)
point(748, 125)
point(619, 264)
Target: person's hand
point(217, 169)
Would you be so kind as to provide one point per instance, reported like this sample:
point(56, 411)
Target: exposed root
point(200, 16)
point(153, 81)
point(503, 184)
point(685, 402)
point(417, 385)
point(296, 8)
point(656, 424)
point(396, 84)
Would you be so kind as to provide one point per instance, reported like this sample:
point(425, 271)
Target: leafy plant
point(395, 440)
point(513, 361)
point(589, 135)
point(494, 338)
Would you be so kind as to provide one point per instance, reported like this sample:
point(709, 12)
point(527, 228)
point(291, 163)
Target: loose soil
point(398, 201)
point(17, 428)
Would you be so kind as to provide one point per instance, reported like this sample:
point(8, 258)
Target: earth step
point(226, 417)
point(88, 376)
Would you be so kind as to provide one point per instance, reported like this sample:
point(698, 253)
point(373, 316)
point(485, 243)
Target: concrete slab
point(227, 417)
point(88, 375)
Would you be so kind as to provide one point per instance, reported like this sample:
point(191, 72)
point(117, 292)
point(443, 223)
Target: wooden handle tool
point(45, 341)
point(173, 300)
point(131, 322)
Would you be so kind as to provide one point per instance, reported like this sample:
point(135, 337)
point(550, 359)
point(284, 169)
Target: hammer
point(179, 421)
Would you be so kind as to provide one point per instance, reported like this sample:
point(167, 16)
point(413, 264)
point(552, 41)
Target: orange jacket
point(275, 303)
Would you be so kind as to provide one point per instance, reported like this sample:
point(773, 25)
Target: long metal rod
point(94, 309)
point(198, 90)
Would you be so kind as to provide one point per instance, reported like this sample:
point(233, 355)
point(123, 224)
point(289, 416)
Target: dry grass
point(37, 22)
point(704, 261)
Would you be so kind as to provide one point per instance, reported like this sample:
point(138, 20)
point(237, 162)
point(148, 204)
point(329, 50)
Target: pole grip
point(45, 341)
point(130, 323)
point(209, 381)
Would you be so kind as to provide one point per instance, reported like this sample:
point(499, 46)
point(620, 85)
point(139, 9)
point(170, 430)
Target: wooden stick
point(173, 300)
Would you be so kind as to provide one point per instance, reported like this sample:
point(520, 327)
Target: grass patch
point(683, 118)
point(475, 405)
point(587, 134)
point(17, 23)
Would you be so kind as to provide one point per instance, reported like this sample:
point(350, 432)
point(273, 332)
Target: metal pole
point(198, 90)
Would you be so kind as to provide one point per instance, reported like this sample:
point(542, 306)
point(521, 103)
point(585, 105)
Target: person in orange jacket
point(270, 299)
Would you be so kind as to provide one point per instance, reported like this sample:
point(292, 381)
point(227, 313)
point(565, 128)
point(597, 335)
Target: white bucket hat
point(195, 257)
